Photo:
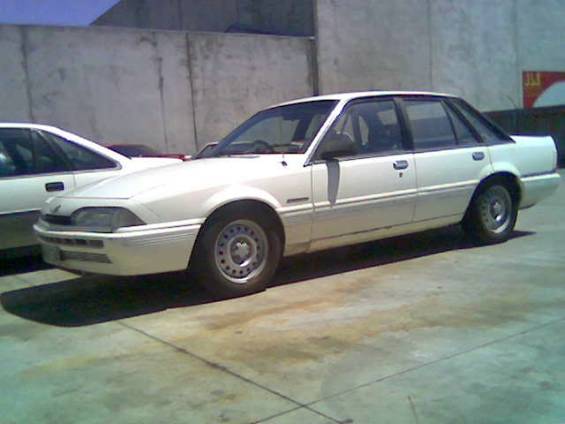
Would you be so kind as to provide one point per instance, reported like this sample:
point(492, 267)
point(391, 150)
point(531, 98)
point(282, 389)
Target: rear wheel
point(237, 254)
point(492, 215)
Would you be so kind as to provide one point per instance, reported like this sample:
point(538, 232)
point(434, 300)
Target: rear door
point(449, 157)
point(31, 171)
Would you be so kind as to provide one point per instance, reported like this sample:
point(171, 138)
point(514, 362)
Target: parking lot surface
point(418, 329)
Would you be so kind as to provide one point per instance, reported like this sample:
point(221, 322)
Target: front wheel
point(492, 215)
point(237, 254)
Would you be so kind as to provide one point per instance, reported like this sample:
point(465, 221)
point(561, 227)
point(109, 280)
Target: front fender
point(237, 193)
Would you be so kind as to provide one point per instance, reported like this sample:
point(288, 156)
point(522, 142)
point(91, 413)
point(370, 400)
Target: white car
point(303, 176)
point(37, 162)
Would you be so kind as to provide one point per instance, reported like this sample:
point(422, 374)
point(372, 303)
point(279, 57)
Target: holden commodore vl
point(302, 176)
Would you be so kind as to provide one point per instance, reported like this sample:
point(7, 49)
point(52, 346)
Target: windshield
point(283, 129)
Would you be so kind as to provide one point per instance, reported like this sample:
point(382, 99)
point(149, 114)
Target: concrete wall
point(473, 48)
point(235, 76)
point(363, 45)
point(541, 34)
point(284, 17)
point(172, 90)
point(474, 51)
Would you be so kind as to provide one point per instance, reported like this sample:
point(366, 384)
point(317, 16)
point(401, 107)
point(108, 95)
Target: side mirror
point(336, 146)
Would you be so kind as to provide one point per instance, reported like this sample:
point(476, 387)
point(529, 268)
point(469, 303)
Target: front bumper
point(148, 251)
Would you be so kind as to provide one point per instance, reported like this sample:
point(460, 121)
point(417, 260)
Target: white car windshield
point(283, 129)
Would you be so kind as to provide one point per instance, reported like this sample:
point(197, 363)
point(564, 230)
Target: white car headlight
point(104, 220)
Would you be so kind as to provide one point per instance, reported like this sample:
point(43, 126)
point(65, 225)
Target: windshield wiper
point(223, 155)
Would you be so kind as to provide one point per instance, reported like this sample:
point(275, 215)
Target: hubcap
point(496, 207)
point(241, 251)
point(497, 210)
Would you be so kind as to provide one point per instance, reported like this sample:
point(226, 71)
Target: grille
point(56, 219)
point(85, 257)
point(95, 244)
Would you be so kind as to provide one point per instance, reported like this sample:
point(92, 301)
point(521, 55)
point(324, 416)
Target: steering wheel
point(261, 146)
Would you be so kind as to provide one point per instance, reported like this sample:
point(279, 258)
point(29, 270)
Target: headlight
point(104, 220)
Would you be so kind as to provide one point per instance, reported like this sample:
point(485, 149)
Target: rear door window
point(430, 125)
point(47, 160)
point(80, 158)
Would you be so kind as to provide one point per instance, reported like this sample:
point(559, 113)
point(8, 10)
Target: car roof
point(91, 145)
point(28, 125)
point(361, 94)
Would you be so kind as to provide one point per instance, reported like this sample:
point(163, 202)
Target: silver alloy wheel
point(495, 207)
point(241, 251)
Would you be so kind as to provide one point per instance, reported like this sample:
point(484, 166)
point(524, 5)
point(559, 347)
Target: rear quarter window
point(487, 130)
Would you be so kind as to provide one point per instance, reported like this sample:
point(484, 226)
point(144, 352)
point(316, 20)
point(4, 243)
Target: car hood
point(145, 163)
point(184, 176)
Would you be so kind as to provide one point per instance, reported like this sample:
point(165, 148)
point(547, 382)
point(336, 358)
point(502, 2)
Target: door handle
point(55, 186)
point(400, 164)
point(478, 155)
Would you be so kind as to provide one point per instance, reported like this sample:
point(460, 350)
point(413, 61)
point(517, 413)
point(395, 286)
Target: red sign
point(543, 88)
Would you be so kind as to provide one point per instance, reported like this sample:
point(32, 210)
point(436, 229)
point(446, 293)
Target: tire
point(492, 214)
point(237, 253)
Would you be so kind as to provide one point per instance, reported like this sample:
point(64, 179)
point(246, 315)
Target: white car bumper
point(538, 187)
point(128, 253)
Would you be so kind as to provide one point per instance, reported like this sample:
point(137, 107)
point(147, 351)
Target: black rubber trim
point(56, 219)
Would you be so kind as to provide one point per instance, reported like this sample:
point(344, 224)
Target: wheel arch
point(510, 180)
point(252, 205)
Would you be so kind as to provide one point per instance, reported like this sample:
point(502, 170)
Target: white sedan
point(303, 176)
point(39, 161)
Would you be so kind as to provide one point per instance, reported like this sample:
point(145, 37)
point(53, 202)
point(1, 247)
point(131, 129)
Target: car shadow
point(375, 253)
point(89, 300)
point(21, 260)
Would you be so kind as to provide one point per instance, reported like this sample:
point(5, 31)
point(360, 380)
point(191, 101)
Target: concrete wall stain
point(192, 105)
point(160, 86)
point(24, 57)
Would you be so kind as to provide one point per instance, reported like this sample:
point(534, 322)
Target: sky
point(52, 12)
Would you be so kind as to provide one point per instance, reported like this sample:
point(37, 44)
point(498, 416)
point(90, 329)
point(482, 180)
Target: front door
point(370, 187)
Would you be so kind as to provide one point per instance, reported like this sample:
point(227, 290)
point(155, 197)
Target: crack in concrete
point(441, 359)
point(279, 414)
point(309, 406)
point(225, 369)
point(413, 408)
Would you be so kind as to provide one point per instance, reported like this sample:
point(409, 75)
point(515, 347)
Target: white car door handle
point(400, 164)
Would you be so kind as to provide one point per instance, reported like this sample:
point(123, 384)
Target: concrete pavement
point(419, 329)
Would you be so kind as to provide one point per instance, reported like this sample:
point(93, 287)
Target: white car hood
point(195, 174)
point(145, 163)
